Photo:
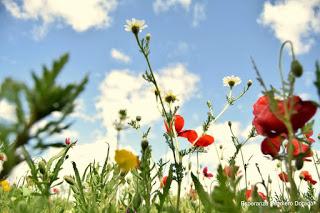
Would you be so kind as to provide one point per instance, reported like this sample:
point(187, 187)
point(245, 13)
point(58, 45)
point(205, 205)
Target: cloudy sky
point(195, 43)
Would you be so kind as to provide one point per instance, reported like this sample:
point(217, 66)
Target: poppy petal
point(271, 146)
point(178, 123)
point(191, 135)
point(204, 140)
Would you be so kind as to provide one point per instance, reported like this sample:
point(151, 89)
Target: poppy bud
point(144, 144)
point(249, 83)
point(296, 68)
point(138, 118)
point(69, 180)
point(42, 166)
point(67, 141)
point(229, 123)
point(299, 162)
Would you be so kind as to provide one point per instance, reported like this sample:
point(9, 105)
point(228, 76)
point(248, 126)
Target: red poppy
point(271, 146)
point(230, 171)
point(283, 177)
point(249, 193)
point(300, 148)
point(55, 190)
point(267, 124)
point(163, 181)
point(307, 177)
point(204, 140)
point(308, 136)
point(178, 120)
point(191, 135)
point(206, 173)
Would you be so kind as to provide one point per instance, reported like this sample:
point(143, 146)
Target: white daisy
point(135, 25)
point(231, 81)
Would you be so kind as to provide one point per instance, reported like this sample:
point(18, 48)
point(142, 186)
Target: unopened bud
point(296, 68)
point(69, 180)
point(148, 36)
point(249, 83)
point(229, 123)
point(299, 162)
point(138, 118)
point(144, 144)
point(42, 166)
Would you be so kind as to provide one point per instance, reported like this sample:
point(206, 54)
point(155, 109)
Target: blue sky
point(211, 39)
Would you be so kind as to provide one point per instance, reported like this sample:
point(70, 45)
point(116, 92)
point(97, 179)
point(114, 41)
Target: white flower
point(135, 25)
point(231, 81)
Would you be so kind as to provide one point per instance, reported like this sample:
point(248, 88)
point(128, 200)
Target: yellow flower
point(5, 185)
point(126, 160)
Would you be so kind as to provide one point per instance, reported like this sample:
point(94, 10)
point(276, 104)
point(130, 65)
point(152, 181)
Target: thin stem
point(314, 163)
point(226, 106)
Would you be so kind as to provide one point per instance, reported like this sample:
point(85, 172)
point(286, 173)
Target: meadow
point(130, 182)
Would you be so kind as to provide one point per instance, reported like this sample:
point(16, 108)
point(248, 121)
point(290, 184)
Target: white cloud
point(122, 89)
point(81, 15)
point(178, 48)
point(164, 5)
point(7, 111)
point(295, 20)
point(199, 14)
point(120, 56)
point(80, 112)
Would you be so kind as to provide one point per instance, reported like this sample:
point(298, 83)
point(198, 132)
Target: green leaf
point(203, 195)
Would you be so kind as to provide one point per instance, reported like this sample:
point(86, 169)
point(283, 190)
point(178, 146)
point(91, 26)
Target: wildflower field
point(283, 132)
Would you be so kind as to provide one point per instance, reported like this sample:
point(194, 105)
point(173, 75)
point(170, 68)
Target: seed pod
point(296, 68)
point(69, 180)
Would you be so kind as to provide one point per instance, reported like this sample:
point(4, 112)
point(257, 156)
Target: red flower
point(230, 171)
point(305, 175)
point(308, 136)
point(67, 141)
point(283, 176)
point(206, 173)
point(55, 190)
point(178, 120)
point(249, 193)
point(271, 146)
point(191, 135)
point(163, 181)
point(301, 148)
point(269, 125)
point(204, 140)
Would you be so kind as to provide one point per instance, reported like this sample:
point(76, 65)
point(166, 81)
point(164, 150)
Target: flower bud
point(67, 141)
point(229, 123)
point(144, 144)
point(69, 180)
point(299, 162)
point(296, 68)
point(138, 118)
point(249, 83)
point(42, 166)
point(148, 36)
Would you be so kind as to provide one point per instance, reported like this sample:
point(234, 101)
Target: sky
point(194, 44)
